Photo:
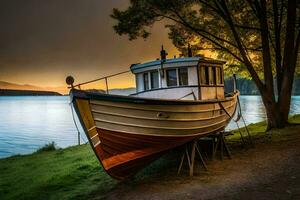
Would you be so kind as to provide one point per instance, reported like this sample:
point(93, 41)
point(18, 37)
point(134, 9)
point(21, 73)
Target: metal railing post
point(78, 138)
point(106, 85)
point(234, 82)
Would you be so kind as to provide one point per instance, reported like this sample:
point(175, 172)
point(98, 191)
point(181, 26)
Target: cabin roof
point(168, 61)
point(174, 60)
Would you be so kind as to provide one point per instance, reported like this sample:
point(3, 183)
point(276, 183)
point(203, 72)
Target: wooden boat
point(128, 132)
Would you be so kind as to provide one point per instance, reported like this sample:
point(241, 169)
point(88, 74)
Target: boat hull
point(127, 133)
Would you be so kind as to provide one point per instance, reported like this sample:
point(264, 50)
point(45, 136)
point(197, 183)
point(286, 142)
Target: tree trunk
point(276, 118)
point(284, 99)
point(277, 112)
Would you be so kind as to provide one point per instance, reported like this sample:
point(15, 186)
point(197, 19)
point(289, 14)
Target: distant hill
point(5, 92)
point(14, 86)
point(122, 91)
point(116, 91)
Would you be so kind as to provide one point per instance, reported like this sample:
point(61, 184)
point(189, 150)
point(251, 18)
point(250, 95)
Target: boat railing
point(70, 81)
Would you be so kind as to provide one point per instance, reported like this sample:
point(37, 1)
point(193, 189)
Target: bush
point(47, 147)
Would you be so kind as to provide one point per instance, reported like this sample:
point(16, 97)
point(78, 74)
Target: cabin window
point(171, 77)
point(183, 76)
point(146, 81)
point(213, 76)
point(220, 76)
point(204, 75)
point(154, 80)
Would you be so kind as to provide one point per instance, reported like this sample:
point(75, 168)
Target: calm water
point(254, 111)
point(27, 123)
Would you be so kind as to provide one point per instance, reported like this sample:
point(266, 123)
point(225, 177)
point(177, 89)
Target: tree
point(261, 35)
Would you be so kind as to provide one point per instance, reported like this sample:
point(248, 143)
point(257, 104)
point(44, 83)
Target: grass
point(75, 173)
point(48, 147)
point(259, 129)
point(70, 173)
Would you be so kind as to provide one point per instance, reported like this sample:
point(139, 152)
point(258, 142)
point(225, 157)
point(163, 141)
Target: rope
point(73, 117)
point(247, 130)
point(236, 122)
point(225, 110)
point(191, 93)
point(240, 116)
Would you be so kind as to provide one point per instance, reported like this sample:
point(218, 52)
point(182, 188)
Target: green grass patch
point(48, 147)
point(295, 119)
point(71, 173)
point(259, 129)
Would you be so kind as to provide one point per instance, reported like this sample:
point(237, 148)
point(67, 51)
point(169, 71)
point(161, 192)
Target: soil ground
point(271, 170)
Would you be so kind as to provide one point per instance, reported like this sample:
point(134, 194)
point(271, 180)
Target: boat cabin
point(190, 78)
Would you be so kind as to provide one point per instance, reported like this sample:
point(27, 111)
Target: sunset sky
point(41, 42)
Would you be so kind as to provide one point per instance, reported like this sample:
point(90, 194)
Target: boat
point(176, 101)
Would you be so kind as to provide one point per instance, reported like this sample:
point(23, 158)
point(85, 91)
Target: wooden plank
point(193, 158)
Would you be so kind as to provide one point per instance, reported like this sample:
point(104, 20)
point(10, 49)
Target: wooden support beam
point(221, 146)
point(201, 157)
point(193, 158)
point(190, 152)
point(181, 163)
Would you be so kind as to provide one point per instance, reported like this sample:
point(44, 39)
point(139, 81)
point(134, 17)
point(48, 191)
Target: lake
point(27, 123)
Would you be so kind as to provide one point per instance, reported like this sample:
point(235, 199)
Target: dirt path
point(269, 171)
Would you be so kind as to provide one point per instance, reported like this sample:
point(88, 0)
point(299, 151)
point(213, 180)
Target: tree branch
point(297, 47)
point(277, 48)
point(198, 31)
point(247, 27)
point(202, 30)
point(246, 61)
point(210, 6)
point(266, 55)
point(290, 36)
point(254, 49)
point(252, 6)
